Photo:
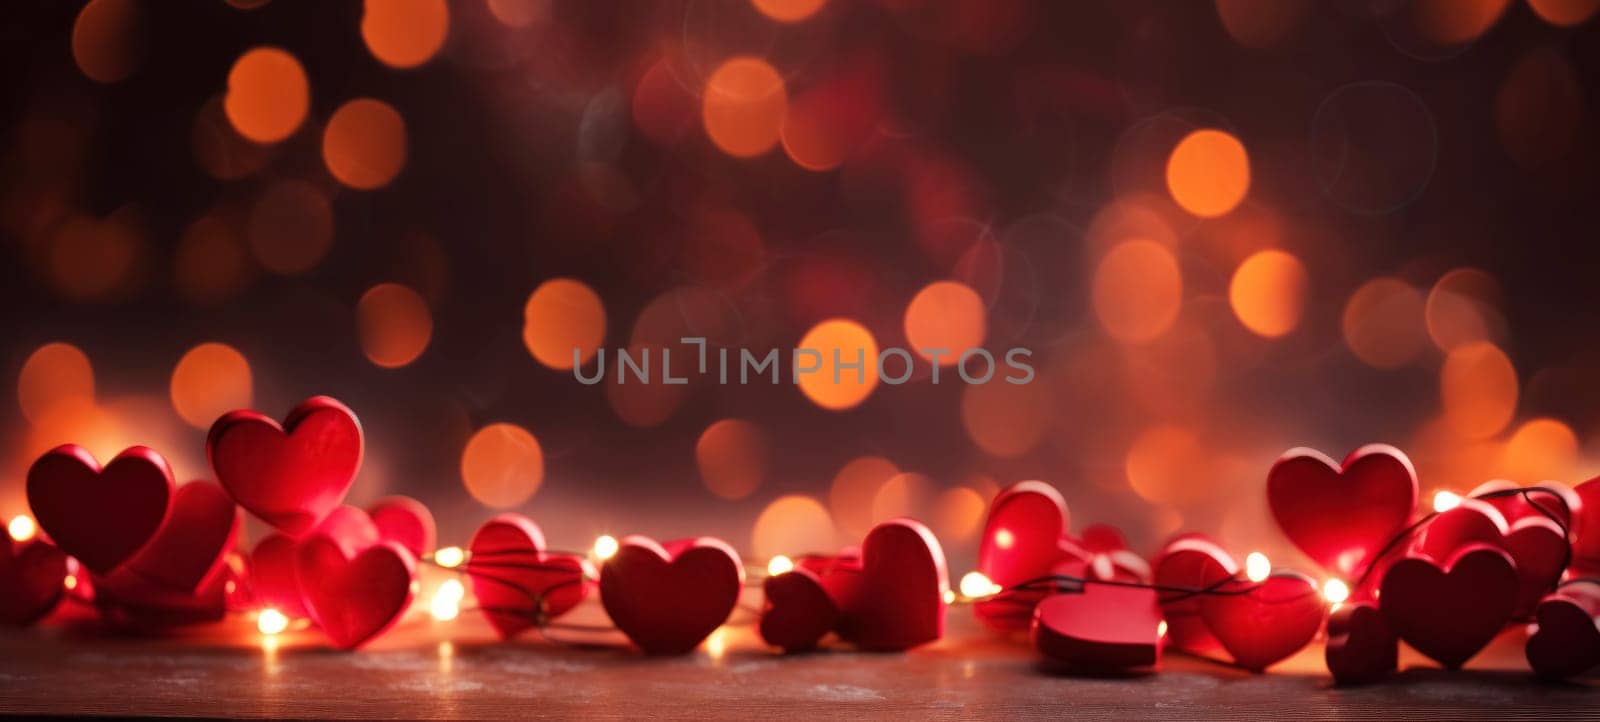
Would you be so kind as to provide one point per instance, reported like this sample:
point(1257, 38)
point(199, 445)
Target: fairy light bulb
point(1335, 591)
point(449, 557)
point(71, 582)
point(1446, 500)
point(271, 622)
point(22, 527)
point(975, 584)
point(605, 547)
point(1257, 567)
point(1161, 629)
point(779, 565)
point(447, 600)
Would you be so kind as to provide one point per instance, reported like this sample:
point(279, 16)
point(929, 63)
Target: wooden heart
point(192, 543)
point(1191, 561)
point(32, 578)
point(900, 602)
point(1449, 612)
point(1567, 643)
point(797, 612)
point(1361, 648)
point(353, 595)
point(668, 598)
point(272, 580)
point(1024, 538)
point(100, 516)
point(405, 520)
point(1342, 515)
point(517, 583)
point(1273, 619)
point(290, 476)
point(1100, 629)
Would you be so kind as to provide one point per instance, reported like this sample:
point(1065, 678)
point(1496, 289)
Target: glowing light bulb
point(447, 600)
point(605, 547)
point(1335, 591)
point(975, 584)
point(22, 527)
point(1161, 629)
point(717, 643)
point(1004, 539)
point(949, 596)
point(779, 565)
point(1446, 500)
point(71, 582)
point(449, 557)
point(1257, 567)
point(271, 622)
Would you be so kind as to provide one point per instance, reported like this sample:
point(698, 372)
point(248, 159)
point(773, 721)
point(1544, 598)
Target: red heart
point(1361, 647)
point(354, 596)
point(667, 598)
point(128, 600)
point(189, 548)
point(272, 580)
point(351, 527)
point(1472, 521)
point(516, 582)
point(1568, 641)
point(1535, 543)
point(1272, 620)
point(900, 602)
point(1342, 515)
point(1586, 528)
point(290, 476)
point(798, 610)
point(405, 520)
point(100, 516)
point(1100, 629)
point(1449, 614)
point(1023, 540)
point(32, 574)
point(1190, 561)
point(1560, 501)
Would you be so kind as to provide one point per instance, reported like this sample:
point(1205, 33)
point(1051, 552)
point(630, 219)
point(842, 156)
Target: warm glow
point(211, 263)
point(1004, 539)
point(394, 325)
point(1383, 323)
point(1168, 464)
point(788, 11)
point(1478, 387)
point(743, 107)
point(907, 494)
point(1541, 448)
point(1461, 308)
point(562, 316)
point(22, 527)
point(449, 557)
point(779, 565)
point(792, 523)
point(1257, 567)
point(1005, 419)
point(290, 227)
point(605, 547)
point(108, 39)
point(945, 316)
point(1335, 591)
point(852, 342)
point(975, 585)
point(1445, 500)
point(502, 465)
point(55, 376)
point(958, 513)
point(1565, 13)
point(94, 259)
point(209, 381)
point(271, 622)
point(1454, 22)
point(717, 643)
point(446, 604)
point(1138, 290)
point(267, 95)
point(854, 488)
point(71, 582)
point(733, 456)
point(1268, 292)
point(1208, 173)
point(364, 144)
point(405, 33)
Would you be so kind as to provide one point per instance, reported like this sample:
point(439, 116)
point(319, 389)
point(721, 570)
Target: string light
point(779, 565)
point(1446, 500)
point(975, 584)
point(949, 596)
point(71, 582)
point(1257, 567)
point(447, 600)
point(1161, 629)
point(22, 527)
point(271, 622)
point(1335, 591)
point(449, 557)
point(605, 547)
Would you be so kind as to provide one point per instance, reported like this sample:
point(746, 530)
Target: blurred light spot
point(1462, 308)
point(519, 13)
point(219, 149)
point(394, 325)
point(1540, 449)
point(605, 547)
point(646, 404)
point(211, 264)
point(1565, 13)
point(907, 494)
point(1383, 323)
point(851, 342)
point(958, 513)
point(1262, 23)
point(717, 643)
point(22, 528)
point(267, 95)
point(1268, 292)
point(779, 565)
point(502, 465)
point(1208, 173)
point(1454, 22)
point(743, 107)
point(290, 227)
point(788, 11)
point(792, 525)
point(271, 622)
point(405, 33)
point(1257, 567)
point(563, 315)
point(733, 457)
point(945, 315)
point(1335, 591)
point(108, 39)
point(450, 557)
point(1168, 464)
point(446, 604)
point(1538, 109)
point(56, 376)
point(1478, 387)
point(854, 488)
point(92, 260)
point(1005, 419)
point(209, 381)
point(1138, 290)
point(975, 584)
point(364, 144)
point(1445, 500)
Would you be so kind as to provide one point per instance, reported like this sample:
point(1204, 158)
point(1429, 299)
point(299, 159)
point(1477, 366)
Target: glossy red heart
point(517, 583)
point(350, 526)
point(290, 476)
point(272, 581)
point(1472, 521)
point(1567, 643)
point(1450, 612)
point(1191, 561)
point(353, 595)
point(99, 516)
point(900, 602)
point(667, 598)
point(1361, 648)
point(1342, 515)
point(1535, 543)
point(189, 548)
point(1560, 501)
point(1023, 540)
point(797, 612)
point(1100, 629)
point(32, 578)
point(405, 520)
point(1273, 619)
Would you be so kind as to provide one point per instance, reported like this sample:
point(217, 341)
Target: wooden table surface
point(458, 669)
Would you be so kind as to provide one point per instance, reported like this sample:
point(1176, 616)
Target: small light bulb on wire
point(975, 584)
point(605, 547)
point(22, 527)
point(449, 557)
point(779, 565)
point(447, 600)
point(1445, 500)
point(1257, 567)
point(271, 622)
point(1335, 591)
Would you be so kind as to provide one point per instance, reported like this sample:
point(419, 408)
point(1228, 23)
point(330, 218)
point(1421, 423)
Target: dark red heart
point(1567, 643)
point(1361, 647)
point(798, 611)
point(1024, 539)
point(99, 516)
point(1342, 515)
point(353, 595)
point(272, 581)
point(32, 579)
point(128, 600)
point(350, 526)
point(189, 548)
point(1100, 629)
point(1450, 613)
point(1560, 501)
point(1190, 561)
point(517, 583)
point(1586, 528)
point(291, 476)
point(667, 598)
point(1535, 543)
point(405, 520)
point(1472, 521)
point(1273, 619)
point(900, 601)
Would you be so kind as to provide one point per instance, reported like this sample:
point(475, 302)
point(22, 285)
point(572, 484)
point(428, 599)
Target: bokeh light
point(563, 315)
point(394, 324)
point(290, 227)
point(96, 259)
point(792, 526)
point(1383, 323)
point(947, 316)
point(405, 33)
point(1478, 387)
point(211, 263)
point(1005, 419)
point(958, 514)
point(849, 342)
point(1208, 173)
point(108, 39)
point(743, 106)
point(519, 13)
point(906, 494)
point(733, 456)
point(1540, 449)
point(853, 489)
point(502, 465)
point(1462, 307)
point(1268, 292)
point(1138, 291)
point(210, 380)
point(57, 375)
point(268, 95)
point(788, 11)
point(1168, 464)
point(364, 144)
point(1262, 23)
point(1564, 13)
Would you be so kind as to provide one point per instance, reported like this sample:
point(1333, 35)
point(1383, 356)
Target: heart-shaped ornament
point(1567, 643)
point(900, 602)
point(405, 520)
point(1341, 515)
point(1024, 538)
point(798, 611)
point(1361, 648)
point(100, 516)
point(1100, 629)
point(1535, 542)
point(353, 595)
point(190, 546)
point(1557, 500)
point(1260, 624)
point(667, 598)
point(290, 476)
point(1449, 612)
point(1473, 521)
point(1190, 561)
point(128, 600)
point(272, 580)
point(1586, 528)
point(516, 582)
point(33, 575)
